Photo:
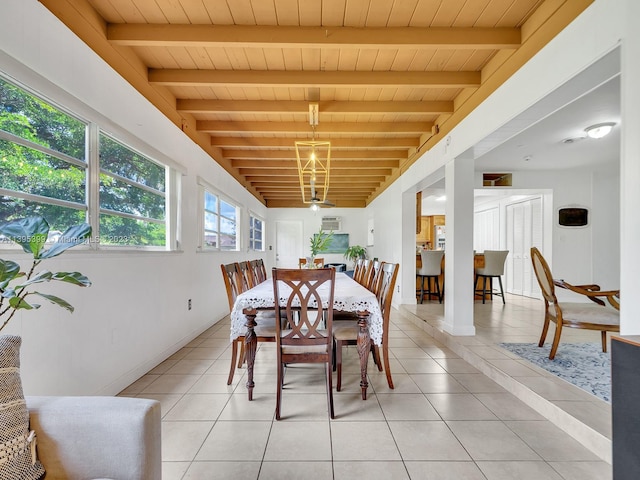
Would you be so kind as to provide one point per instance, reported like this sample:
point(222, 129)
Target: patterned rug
point(583, 364)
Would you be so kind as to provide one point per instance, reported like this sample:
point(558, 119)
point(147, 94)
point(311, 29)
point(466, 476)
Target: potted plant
point(355, 252)
point(17, 286)
point(319, 243)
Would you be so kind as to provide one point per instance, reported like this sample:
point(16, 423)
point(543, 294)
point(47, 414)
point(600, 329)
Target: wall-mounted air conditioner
point(331, 224)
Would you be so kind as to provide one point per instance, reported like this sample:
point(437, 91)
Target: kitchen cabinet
point(438, 220)
point(426, 231)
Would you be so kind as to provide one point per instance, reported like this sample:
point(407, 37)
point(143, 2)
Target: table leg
point(363, 346)
point(251, 344)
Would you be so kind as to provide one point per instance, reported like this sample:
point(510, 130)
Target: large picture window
point(43, 162)
point(220, 222)
point(48, 169)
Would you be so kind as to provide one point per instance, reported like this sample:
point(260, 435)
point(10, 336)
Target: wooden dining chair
point(246, 275)
point(594, 315)
point(307, 304)
point(347, 334)
point(363, 272)
point(262, 269)
point(265, 329)
point(257, 271)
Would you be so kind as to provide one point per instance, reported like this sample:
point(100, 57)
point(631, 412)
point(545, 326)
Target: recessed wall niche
point(496, 180)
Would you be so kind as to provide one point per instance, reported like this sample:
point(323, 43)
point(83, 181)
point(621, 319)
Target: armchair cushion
point(17, 442)
point(98, 437)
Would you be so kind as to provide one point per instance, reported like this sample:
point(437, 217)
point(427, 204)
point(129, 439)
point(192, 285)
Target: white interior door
point(288, 243)
point(524, 230)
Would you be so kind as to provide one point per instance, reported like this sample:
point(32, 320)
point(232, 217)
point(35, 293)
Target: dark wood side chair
point(246, 274)
point(595, 315)
point(347, 333)
point(265, 330)
point(257, 271)
point(307, 296)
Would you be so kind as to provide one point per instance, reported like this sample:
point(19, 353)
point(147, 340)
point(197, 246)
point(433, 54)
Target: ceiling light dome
point(599, 130)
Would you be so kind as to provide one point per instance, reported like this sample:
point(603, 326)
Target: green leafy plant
point(31, 234)
point(354, 252)
point(320, 242)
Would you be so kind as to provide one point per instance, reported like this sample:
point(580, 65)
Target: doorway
point(288, 243)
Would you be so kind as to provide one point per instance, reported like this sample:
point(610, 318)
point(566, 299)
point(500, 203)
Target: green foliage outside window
point(43, 171)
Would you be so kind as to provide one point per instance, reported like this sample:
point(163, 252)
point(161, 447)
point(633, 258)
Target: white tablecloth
point(348, 295)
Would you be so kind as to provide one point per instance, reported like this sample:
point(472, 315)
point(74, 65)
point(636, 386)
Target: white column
point(407, 273)
point(458, 276)
point(630, 173)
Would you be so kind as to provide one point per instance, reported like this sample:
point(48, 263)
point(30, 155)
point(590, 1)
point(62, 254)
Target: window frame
point(95, 125)
point(203, 189)
point(251, 238)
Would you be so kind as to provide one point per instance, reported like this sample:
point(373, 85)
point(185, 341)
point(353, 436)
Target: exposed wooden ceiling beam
point(290, 203)
point(290, 155)
point(335, 165)
point(293, 172)
point(292, 79)
point(294, 179)
point(335, 183)
point(165, 35)
point(255, 142)
point(215, 126)
point(302, 106)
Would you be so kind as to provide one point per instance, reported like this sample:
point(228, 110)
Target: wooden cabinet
point(425, 233)
point(438, 220)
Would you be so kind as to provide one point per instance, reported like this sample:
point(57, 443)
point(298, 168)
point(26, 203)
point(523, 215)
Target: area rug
point(582, 364)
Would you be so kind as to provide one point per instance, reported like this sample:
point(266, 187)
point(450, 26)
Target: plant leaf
point(70, 238)
point(17, 303)
point(76, 278)
point(43, 276)
point(30, 233)
point(9, 293)
point(57, 300)
point(8, 271)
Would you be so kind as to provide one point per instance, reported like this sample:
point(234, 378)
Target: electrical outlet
point(189, 304)
point(398, 288)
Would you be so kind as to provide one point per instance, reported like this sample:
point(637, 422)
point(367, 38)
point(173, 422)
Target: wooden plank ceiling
point(390, 77)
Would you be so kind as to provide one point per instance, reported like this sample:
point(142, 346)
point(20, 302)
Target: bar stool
point(431, 270)
point(493, 267)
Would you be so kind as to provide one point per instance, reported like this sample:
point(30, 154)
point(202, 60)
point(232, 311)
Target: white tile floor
point(449, 417)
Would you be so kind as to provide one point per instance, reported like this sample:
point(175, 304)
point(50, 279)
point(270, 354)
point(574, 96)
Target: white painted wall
point(135, 313)
point(353, 222)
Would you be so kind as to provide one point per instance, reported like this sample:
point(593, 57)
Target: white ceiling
point(543, 145)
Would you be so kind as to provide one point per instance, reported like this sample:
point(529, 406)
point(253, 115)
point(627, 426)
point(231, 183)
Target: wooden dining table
point(348, 295)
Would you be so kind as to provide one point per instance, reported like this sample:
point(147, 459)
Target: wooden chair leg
point(234, 354)
point(501, 290)
point(421, 289)
point(484, 287)
point(376, 356)
point(545, 329)
point(243, 356)
point(556, 341)
point(338, 366)
point(604, 341)
point(279, 391)
point(330, 389)
point(387, 369)
point(437, 281)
